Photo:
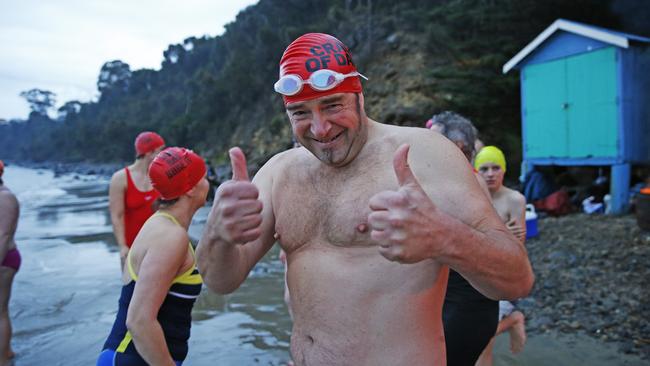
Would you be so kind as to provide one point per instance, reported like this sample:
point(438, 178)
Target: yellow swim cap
point(490, 154)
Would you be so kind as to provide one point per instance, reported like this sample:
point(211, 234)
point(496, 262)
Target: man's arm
point(239, 229)
point(116, 192)
point(8, 221)
point(409, 227)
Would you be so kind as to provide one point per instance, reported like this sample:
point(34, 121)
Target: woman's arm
point(116, 192)
point(160, 263)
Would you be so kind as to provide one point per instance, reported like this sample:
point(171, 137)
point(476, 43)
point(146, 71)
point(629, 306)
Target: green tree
point(114, 76)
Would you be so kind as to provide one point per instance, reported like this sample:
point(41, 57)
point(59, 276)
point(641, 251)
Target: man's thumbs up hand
point(236, 214)
point(401, 221)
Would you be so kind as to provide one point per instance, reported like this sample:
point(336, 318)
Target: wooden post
point(619, 188)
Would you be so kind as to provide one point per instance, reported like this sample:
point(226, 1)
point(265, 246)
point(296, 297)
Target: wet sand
point(65, 295)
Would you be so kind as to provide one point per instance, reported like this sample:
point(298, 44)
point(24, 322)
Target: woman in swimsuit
point(161, 282)
point(131, 198)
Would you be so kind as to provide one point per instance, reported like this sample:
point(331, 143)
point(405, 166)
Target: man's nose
point(320, 127)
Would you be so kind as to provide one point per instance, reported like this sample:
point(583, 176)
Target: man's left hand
point(405, 223)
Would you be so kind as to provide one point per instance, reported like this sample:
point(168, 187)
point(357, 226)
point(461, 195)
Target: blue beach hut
point(585, 100)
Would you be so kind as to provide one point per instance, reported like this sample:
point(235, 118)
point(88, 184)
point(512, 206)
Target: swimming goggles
point(320, 80)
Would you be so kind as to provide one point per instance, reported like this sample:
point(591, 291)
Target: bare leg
point(6, 280)
point(515, 324)
point(517, 332)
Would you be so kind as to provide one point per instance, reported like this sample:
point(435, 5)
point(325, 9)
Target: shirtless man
point(368, 232)
point(511, 207)
point(9, 264)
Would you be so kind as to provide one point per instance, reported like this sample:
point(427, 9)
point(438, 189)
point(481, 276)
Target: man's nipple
point(362, 228)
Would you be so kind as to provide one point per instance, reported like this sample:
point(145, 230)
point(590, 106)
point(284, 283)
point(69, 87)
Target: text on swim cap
point(324, 54)
point(176, 164)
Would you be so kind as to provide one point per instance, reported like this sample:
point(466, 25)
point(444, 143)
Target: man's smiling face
point(331, 127)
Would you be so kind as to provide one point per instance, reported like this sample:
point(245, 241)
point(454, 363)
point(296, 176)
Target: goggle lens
point(288, 85)
point(323, 80)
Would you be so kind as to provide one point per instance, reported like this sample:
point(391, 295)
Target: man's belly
point(352, 306)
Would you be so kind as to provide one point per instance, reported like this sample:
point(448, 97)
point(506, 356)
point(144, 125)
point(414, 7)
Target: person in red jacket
point(131, 197)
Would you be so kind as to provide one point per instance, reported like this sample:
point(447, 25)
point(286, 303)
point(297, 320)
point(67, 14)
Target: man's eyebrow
point(336, 98)
point(332, 99)
point(295, 106)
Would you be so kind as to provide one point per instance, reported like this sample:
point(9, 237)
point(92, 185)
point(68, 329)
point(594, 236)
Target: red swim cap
point(2, 167)
point(315, 51)
point(147, 142)
point(174, 171)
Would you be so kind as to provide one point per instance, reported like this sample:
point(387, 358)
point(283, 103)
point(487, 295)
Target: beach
point(65, 295)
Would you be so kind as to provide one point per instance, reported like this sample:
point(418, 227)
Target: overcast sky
point(60, 45)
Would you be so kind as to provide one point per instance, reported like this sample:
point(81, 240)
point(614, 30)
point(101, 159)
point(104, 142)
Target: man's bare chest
point(328, 210)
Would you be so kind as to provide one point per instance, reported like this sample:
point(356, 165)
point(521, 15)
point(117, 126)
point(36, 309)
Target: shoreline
point(80, 168)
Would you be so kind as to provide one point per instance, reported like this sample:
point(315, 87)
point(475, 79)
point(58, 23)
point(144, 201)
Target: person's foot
point(517, 333)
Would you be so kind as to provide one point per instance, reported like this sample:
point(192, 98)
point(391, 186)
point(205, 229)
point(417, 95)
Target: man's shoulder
point(282, 160)
point(415, 136)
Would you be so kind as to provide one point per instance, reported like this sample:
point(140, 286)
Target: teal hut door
point(570, 107)
point(546, 119)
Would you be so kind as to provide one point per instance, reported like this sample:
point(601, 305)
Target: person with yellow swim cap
point(511, 207)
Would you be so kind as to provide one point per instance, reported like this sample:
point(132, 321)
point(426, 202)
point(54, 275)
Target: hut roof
point(612, 37)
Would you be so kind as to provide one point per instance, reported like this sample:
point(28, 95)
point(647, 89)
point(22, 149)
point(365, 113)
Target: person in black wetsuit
point(469, 318)
point(161, 281)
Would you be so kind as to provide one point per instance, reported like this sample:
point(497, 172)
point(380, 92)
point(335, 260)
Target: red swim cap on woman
point(174, 171)
point(315, 51)
point(147, 142)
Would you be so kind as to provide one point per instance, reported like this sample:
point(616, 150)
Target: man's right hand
point(236, 215)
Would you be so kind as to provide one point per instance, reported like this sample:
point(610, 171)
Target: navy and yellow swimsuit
point(174, 316)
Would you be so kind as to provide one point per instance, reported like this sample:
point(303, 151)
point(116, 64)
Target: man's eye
point(334, 107)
